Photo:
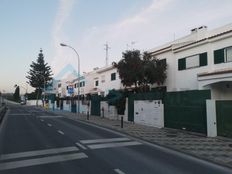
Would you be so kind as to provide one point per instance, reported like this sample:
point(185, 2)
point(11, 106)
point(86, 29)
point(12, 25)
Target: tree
point(154, 70)
point(129, 68)
point(39, 74)
point(16, 94)
point(140, 70)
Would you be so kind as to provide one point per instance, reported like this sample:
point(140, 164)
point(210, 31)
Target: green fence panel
point(141, 96)
point(186, 110)
point(95, 105)
point(224, 118)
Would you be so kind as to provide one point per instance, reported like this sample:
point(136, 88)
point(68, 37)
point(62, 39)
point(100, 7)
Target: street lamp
point(78, 93)
point(38, 73)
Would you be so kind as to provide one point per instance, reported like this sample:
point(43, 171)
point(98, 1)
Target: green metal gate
point(186, 110)
point(95, 105)
point(224, 118)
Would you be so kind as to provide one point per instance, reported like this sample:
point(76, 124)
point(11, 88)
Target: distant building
point(99, 81)
point(200, 60)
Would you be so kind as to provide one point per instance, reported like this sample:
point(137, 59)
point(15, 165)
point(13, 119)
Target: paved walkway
point(218, 149)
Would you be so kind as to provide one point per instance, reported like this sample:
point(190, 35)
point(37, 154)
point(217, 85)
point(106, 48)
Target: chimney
point(202, 28)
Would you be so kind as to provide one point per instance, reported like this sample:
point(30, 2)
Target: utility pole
point(107, 52)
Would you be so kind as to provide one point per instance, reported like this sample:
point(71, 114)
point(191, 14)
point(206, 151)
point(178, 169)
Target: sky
point(86, 25)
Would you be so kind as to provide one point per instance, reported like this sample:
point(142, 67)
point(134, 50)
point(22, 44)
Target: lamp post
point(78, 93)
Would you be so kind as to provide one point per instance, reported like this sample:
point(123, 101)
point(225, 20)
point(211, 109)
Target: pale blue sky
point(28, 25)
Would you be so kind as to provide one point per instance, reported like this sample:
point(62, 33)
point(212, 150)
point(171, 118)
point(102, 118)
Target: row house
point(200, 60)
point(99, 81)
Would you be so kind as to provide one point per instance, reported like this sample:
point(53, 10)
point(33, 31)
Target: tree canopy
point(39, 73)
point(140, 70)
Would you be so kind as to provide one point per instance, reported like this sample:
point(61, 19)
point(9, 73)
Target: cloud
point(58, 35)
point(136, 28)
point(152, 25)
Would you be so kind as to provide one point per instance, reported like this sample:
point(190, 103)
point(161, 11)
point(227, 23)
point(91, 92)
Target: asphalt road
point(39, 142)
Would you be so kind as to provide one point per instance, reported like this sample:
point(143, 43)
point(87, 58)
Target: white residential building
point(200, 60)
point(101, 80)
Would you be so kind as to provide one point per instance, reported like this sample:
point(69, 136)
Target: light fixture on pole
point(78, 93)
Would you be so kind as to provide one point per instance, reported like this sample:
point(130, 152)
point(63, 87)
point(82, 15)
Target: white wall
point(33, 102)
point(108, 84)
point(150, 113)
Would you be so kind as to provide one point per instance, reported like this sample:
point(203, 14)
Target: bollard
point(87, 115)
point(121, 121)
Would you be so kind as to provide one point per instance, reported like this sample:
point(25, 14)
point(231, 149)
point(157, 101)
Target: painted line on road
point(119, 171)
point(38, 152)
point(49, 125)
point(59, 131)
point(109, 145)
point(50, 116)
point(43, 160)
point(81, 146)
point(106, 140)
point(18, 114)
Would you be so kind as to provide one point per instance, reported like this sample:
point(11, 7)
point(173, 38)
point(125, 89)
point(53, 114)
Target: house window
point(96, 83)
point(228, 53)
point(192, 61)
point(223, 55)
point(113, 76)
point(59, 85)
point(82, 84)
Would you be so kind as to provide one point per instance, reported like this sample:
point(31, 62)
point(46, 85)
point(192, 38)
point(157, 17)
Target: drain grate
point(171, 135)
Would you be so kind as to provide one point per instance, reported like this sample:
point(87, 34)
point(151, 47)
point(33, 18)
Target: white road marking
point(18, 114)
point(62, 133)
point(41, 120)
point(38, 152)
point(43, 160)
point(50, 116)
point(81, 146)
point(104, 140)
point(109, 145)
point(49, 125)
point(119, 171)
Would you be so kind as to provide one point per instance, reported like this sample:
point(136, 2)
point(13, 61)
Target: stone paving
point(218, 150)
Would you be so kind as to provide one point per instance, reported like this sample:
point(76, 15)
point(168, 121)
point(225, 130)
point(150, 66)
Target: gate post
point(211, 118)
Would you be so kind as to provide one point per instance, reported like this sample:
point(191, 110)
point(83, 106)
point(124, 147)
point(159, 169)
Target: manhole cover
point(171, 135)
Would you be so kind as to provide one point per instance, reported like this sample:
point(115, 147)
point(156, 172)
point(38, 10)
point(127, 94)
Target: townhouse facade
point(99, 81)
point(200, 60)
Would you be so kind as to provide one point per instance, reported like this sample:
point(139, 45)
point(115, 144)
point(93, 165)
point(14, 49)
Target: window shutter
point(181, 64)
point(219, 56)
point(203, 59)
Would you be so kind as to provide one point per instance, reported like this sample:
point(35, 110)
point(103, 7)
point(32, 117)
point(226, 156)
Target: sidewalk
point(218, 150)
